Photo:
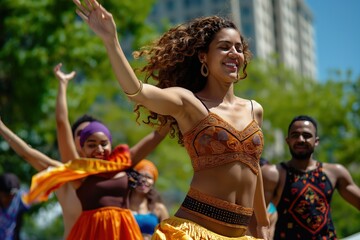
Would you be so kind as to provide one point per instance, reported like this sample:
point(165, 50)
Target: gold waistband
point(217, 210)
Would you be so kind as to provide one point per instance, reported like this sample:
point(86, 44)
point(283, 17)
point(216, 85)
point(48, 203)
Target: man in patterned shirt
point(302, 188)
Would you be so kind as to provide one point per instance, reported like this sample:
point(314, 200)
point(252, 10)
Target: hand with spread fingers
point(98, 19)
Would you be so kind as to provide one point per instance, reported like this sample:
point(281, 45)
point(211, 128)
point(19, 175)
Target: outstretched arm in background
point(65, 137)
point(35, 158)
point(169, 101)
point(146, 145)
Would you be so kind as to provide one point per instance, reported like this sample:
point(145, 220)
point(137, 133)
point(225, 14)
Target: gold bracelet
point(135, 93)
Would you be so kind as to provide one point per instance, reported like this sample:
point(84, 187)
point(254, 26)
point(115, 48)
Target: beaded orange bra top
point(214, 142)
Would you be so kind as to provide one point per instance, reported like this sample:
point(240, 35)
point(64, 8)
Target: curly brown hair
point(173, 60)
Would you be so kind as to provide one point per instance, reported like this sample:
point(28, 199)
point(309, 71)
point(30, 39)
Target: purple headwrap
point(92, 128)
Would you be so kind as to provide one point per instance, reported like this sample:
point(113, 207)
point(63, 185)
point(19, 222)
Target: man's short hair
point(303, 118)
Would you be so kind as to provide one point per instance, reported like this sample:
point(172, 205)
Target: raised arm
point(146, 145)
point(64, 134)
point(102, 23)
point(35, 158)
point(162, 101)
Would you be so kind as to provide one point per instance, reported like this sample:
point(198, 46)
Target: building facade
point(282, 28)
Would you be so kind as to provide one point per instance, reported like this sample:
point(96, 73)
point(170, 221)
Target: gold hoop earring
point(204, 69)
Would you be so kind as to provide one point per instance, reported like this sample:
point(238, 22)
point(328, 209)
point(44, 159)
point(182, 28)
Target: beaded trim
point(213, 142)
point(217, 210)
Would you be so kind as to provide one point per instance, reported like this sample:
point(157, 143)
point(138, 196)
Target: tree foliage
point(36, 35)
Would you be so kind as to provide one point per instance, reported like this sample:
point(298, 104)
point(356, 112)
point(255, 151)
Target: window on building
point(170, 6)
point(245, 11)
point(248, 30)
point(192, 3)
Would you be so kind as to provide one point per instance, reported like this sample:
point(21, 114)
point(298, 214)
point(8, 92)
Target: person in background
point(196, 66)
point(145, 201)
point(70, 204)
point(102, 182)
point(302, 187)
point(66, 133)
point(40, 161)
point(12, 207)
point(76, 128)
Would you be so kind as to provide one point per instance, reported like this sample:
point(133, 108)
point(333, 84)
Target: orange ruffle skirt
point(107, 223)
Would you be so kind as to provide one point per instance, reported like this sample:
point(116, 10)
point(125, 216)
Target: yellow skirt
point(107, 223)
point(183, 229)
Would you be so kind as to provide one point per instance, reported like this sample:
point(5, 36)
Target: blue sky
point(337, 27)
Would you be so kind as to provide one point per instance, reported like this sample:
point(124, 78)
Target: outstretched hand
point(63, 77)
point(98, 19)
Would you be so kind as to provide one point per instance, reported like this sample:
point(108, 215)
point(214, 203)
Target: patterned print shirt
point(304, 210)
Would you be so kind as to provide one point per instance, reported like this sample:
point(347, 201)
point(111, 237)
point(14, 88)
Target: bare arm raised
point(147, 144)
point(35, 158)
point(64, 134)
point(162, 101)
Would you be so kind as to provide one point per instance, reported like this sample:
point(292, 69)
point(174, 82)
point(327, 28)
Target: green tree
point(37, 34)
